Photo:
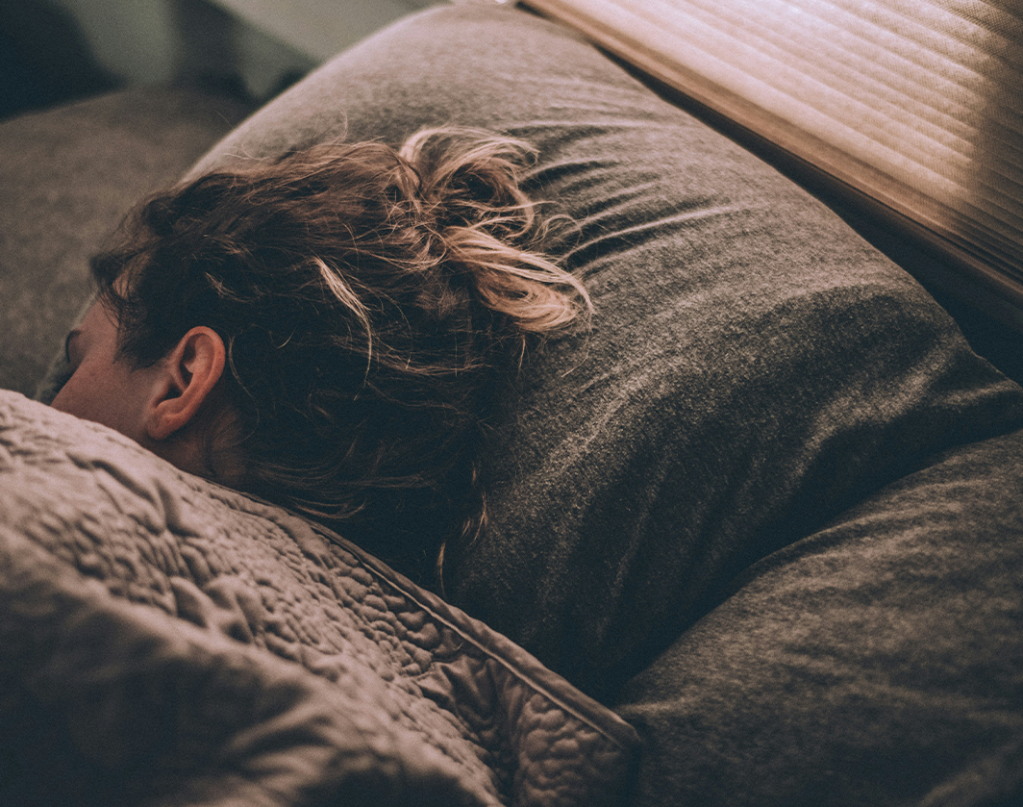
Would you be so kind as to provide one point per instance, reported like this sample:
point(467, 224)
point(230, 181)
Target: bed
point(756, 535)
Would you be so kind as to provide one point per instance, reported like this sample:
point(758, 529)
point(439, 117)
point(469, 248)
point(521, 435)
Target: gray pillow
point(754, 367)
point(878, 662)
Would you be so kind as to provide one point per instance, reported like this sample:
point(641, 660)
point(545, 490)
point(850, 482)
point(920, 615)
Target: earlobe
point(189, 375)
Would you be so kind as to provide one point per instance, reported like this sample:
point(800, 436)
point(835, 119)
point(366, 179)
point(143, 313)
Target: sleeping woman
point(330, 331)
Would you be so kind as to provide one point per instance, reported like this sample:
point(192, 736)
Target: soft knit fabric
point(754, 367)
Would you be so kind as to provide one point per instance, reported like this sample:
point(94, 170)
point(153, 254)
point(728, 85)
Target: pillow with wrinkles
point(753, 368)
point(876, 662)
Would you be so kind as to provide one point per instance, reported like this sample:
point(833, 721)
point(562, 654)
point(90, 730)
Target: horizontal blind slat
point(915, 103)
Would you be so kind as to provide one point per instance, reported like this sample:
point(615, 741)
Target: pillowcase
point(753, 369)
point(876, 662)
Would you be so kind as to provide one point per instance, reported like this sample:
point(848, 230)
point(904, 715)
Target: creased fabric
point(167, 641)
point(760, 386)
point(877, 662)
point(754, 366)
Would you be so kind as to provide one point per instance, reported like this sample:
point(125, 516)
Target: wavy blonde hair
point(372, 301)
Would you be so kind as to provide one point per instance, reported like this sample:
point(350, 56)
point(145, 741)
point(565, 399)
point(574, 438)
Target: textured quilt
point(167, 641)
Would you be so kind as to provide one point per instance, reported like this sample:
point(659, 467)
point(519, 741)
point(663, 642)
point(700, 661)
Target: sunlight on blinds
point(916, 103)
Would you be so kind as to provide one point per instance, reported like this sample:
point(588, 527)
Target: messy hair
point(372, 301)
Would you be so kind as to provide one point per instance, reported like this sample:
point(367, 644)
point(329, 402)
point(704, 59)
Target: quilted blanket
point(166, 641)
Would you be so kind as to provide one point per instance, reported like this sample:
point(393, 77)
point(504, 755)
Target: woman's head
point(362, 302)
point(171, 407)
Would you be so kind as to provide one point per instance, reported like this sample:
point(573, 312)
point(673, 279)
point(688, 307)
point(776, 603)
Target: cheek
point(104, 397)
point(74, 397)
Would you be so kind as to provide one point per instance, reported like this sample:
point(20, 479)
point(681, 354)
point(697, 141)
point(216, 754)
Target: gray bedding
point(768, 508)
point(167, 641)
point(878, 661)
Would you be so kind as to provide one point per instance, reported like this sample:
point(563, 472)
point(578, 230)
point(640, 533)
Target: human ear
point(188, 375)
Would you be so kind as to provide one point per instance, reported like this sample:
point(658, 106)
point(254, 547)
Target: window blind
point(916, 105)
